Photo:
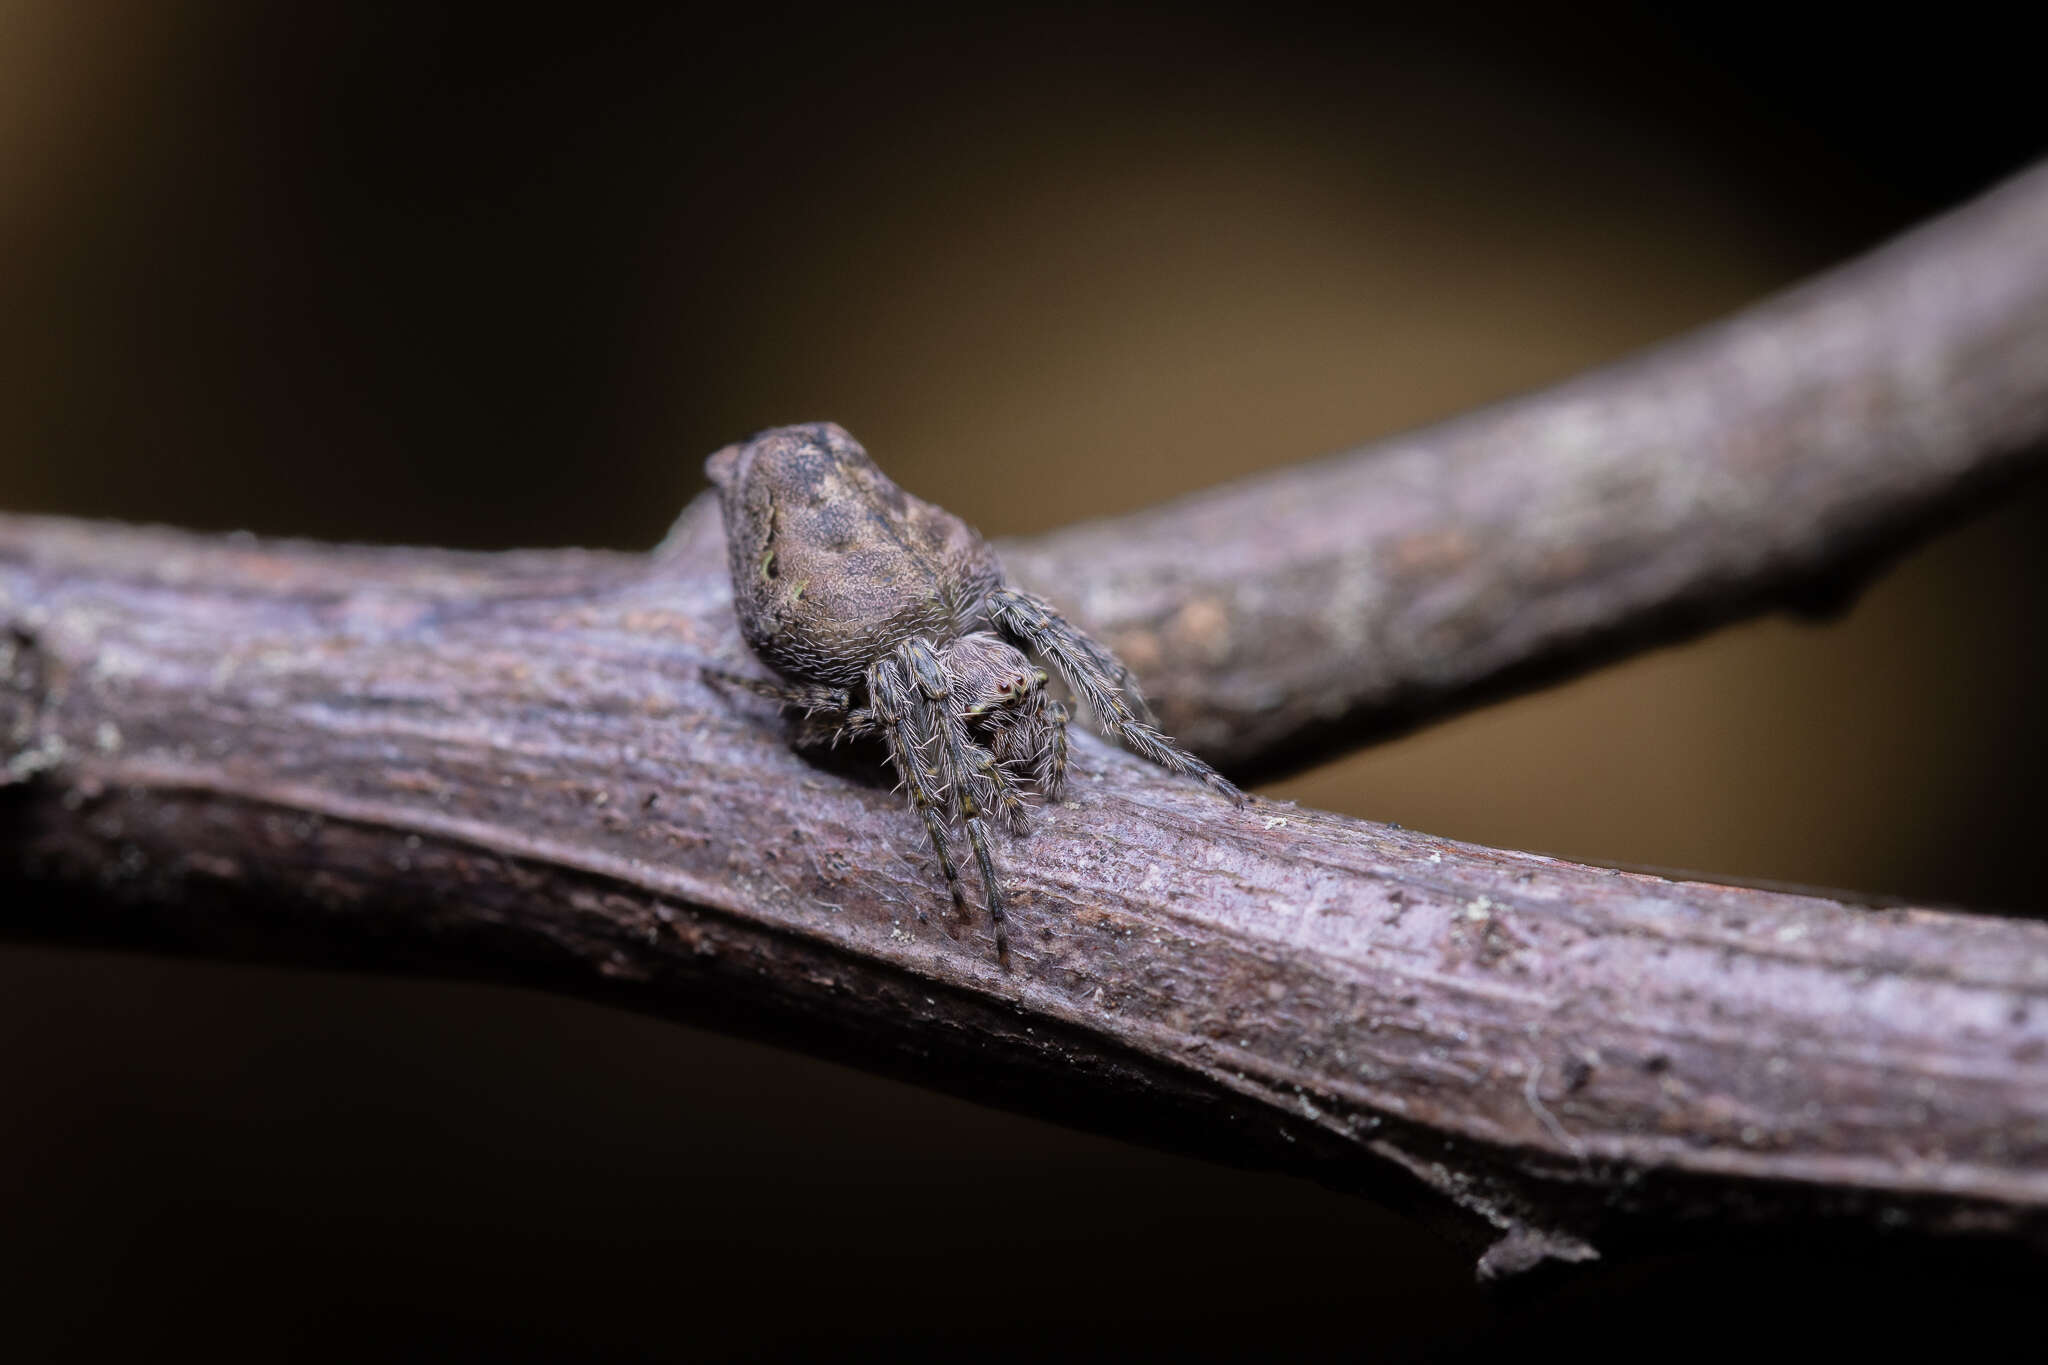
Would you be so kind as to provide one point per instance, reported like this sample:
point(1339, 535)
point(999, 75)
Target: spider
point(888, 617)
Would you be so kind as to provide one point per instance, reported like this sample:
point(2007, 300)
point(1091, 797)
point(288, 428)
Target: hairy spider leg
point(830, 716)
point(997, 788)
point(992, 688)
point(1032, 623)
point(1011, 808)
point(1050, 763)
point(968, 769)
point(990, 765)
point(812, 697)
point(1120, 677)
point(1034, 734)
point(897, 711)
point(969, 766)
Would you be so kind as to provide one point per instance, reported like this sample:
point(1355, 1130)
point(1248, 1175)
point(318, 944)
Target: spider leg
point(808, 695)
point(957, 748)
point(991, 762)
point(970, 768)
point(972, 777)
point(1097, 679)
point(1051, 761)
point(1010, 805)
point(900, 713)
point(1111, 667)
point(830, 715)
point(1036, 737)
point(828, 730)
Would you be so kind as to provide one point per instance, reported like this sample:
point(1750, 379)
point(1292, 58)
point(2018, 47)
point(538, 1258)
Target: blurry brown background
point(445, 276)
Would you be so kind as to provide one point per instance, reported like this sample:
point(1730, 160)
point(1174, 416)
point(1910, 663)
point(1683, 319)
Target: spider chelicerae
point(889, 618)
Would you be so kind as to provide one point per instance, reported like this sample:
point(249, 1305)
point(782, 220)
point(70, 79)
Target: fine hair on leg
point(1033, 737)
point(897, 705)
point(829, 714)
point(1049, 764)
point(971, 780)
point(1032, 623)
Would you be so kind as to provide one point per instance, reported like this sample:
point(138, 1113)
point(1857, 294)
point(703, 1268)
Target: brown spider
point(889, 617)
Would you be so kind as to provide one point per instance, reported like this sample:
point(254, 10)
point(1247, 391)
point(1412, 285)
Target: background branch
point(1772, 460)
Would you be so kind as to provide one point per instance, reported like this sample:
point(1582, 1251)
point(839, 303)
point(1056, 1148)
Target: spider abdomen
point(833, 565)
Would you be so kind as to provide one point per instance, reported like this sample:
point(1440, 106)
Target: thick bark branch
point(509, 765)
point(1772, 460)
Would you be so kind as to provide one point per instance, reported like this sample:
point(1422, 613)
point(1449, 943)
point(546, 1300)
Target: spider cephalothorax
point(889, 618)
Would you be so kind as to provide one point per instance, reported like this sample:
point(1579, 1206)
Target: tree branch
point(1776, 459)
point(508, 765)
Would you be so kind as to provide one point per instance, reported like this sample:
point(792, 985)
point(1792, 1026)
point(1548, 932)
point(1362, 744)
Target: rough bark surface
point(509, 765)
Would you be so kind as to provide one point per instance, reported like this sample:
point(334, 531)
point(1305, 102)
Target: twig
point(1774, 460)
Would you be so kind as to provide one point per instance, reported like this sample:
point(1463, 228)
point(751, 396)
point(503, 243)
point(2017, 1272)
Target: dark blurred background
point(453, 276)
